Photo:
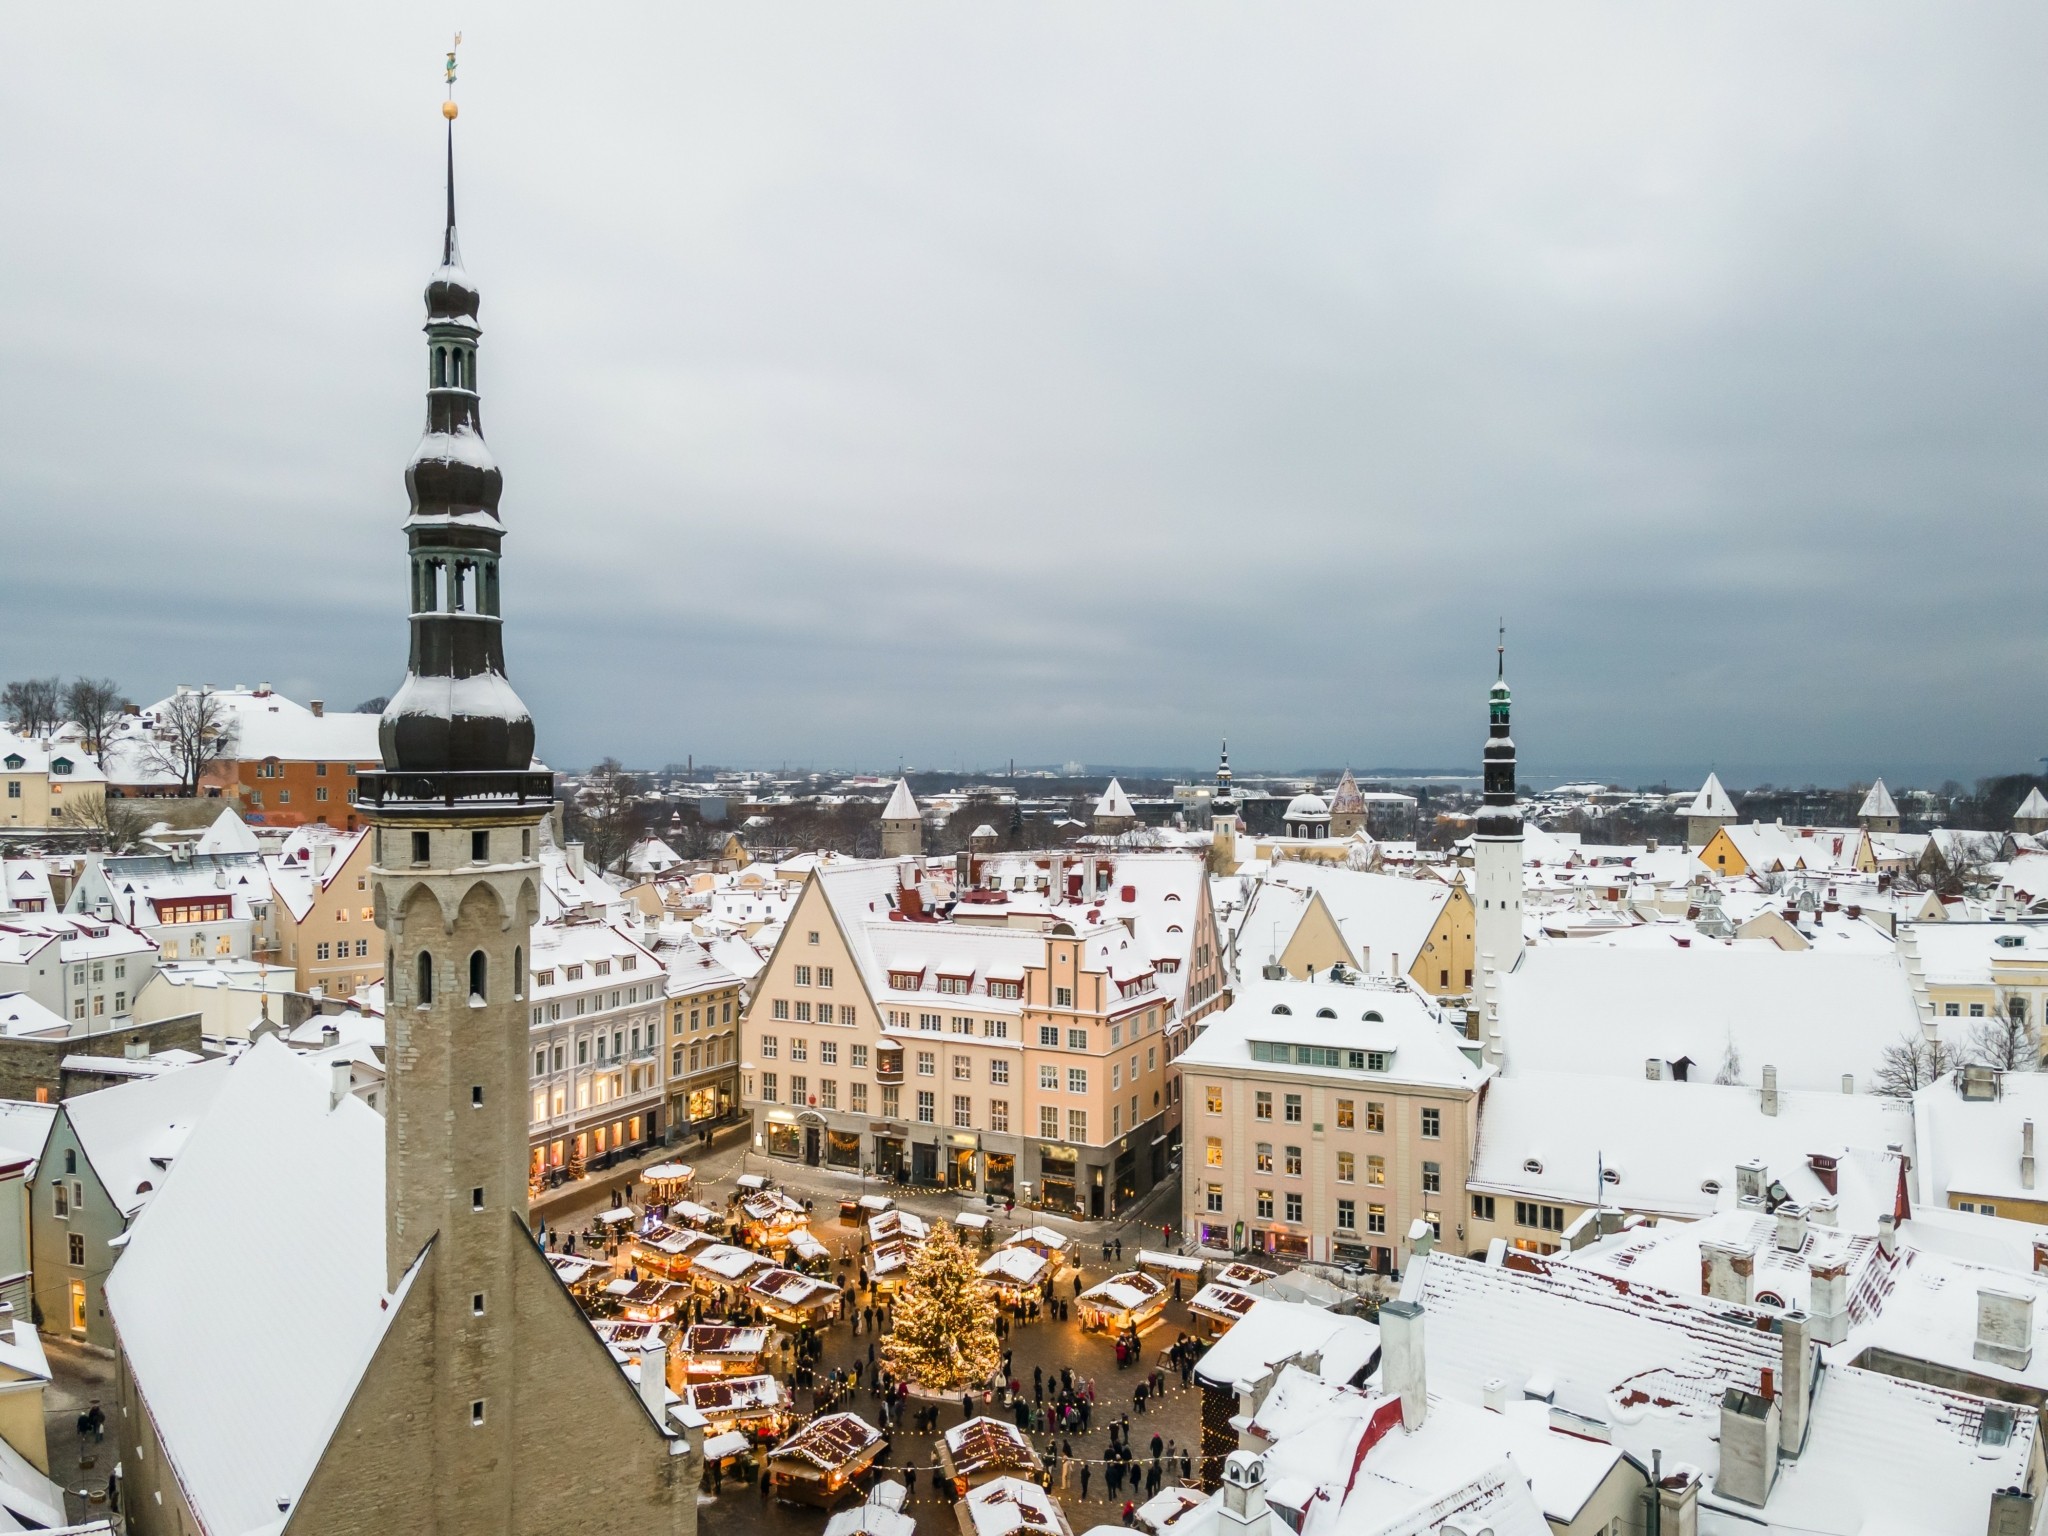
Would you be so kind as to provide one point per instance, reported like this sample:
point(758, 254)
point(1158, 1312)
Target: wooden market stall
point(722, 1349)
point(791, 1297)
point(1039, 1240)
point(652, 1300)
point(1171, 1266)
point(1218, 1307)
point(983, 1449)
point(722, 1269)
point(767, 1218)
point(756, 1406)
point(582, 1274)
point(666, 1251)
point(1243, 1276)
point(825, 1460)
point(1015, 1273)
point(1132, 1299)
point(1010, 1506)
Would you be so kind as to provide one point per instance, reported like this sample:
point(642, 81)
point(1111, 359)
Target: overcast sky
point(942, 384)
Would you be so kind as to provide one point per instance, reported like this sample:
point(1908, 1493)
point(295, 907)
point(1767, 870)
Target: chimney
point(1770, 1094)
point(1752, 1179)
point(574, 851)
point(1749, 1445)
point(1421, 1238)
point(1849, 1082)
point(330, 1034)
point(1828, 1296)
point(1495, 1394)
point(654, 1378)
point(340, 1078)
point(1678, 1502)
point(2026, 1154)
point(1653, 1069)
point(1823, 1212)
point(2012, 1513)
point(133, 1049)
point(319, 709)
point(1726, 1272)
point(2005, 1327)
point(1403, 1373)
point(1888, 1235)
point(323, 854)
point(1791, 1227)
point(2041, 1253)
point(1244, 1511)
point(1796, 1382)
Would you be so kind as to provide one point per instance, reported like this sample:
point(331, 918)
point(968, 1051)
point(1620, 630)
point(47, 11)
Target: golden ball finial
point(448, 110)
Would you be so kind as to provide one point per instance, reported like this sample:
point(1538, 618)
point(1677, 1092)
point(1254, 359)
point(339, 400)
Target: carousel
point(825, 1460)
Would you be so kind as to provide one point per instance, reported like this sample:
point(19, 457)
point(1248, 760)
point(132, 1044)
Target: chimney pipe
point(1796, 1354)
point(1848, 1082)
point(340, 1079)
point(2026, 1154)
point(1403, 1371)
point(319, 709)
point(1888, 1235)
point(1770, 1095)
point(654, 1378)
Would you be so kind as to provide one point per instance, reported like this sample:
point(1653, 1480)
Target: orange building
point(293, 765)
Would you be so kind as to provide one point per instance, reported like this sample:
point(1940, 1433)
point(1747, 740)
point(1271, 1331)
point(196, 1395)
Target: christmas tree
point(943, 1336)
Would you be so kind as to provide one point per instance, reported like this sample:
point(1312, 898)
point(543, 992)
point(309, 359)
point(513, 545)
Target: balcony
point(451, 791)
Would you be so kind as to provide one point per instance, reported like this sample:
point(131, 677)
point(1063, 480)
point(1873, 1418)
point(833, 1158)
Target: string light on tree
point(943, 1331)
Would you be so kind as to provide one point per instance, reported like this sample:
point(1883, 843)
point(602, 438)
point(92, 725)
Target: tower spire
point(451, 256)
point(1500, 650)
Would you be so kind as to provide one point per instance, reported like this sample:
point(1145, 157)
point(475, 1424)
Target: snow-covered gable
point(1115, 803)
point(902, 804)
point(133, 1132)
point(1421, 1046)
point(228, 834)
point(294, 1328)
point(1879, 803)
point(1712, 800)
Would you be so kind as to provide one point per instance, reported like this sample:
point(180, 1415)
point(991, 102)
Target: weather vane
point(1500, 650)
point(448, 108)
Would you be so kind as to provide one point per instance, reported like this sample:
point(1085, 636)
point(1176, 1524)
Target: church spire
point(455, 712)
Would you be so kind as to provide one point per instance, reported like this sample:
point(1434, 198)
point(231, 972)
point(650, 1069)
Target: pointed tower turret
point(1880, 813)
point(1347, 807)
point(1114, 812)
point(2032, 816)
point(902, 824)
point(1711, 810)
point(1497, 841)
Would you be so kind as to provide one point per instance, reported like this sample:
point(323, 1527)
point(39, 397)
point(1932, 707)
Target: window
point(1213, 1198)
point(1048, 1122)
point(1294, 1162)
point(859, 1055)
point(1077, 1125)
point(768, 1087)
point(824, 975)
point(828, 1052)
point(479, 976)
point(1376, 1061)
point(1347, 1215)
point(1347, 1168)
point(1976, 1010)
point(927, 1064)
point(422, 847)
point(1432, 1124)
point(1049, 1077)
point(803, 976)
point(675, 1062)
point(320, 950)
point(1347, 1115)
point(812, 937)
point(476, 1198)
point(963, 1069)
point(1482, 1207)
point(1048, 1034)
point(1952, 1010)
point(769, 1046)
point(1545, 1218)
point(859, 1094)
point(1077, 1039)
point(1375, 1218)
point(963, 1112)
point(779, 1008)
point(828, 1093)
point(78, 1306)
point(927, 1107)
point(799, 1048)
point(1432, 1178)
point(1063, 997)
point(996, 1029)
point(76, 1244)
point(1262, 1157)
point(480, 847)
point(476, 1412)
point(424, 979)
point(1077, 1079)
point(999, 1072)
point(999, 1114)
point(803, 1010)
point(1116, 1075)
point(1293, 1206)
point(892, 1102)
point(1375, 1115)
point(1212, 1097)
point(1293, 1109)
point(1375, 1170)
point(1262, 1106)
point(1265, 1203)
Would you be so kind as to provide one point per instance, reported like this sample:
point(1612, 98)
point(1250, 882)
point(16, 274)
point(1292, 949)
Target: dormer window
point(957, 985)
point(906, 981)
point(16, 762)
point(60, 765)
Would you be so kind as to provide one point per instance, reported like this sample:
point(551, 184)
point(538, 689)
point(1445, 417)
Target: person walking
point(1086, 1469)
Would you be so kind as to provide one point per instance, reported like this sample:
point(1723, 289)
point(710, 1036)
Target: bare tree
point(93, 704)
point(1731, 1065)
point(606, 814)
point(1911, 1065)
point(34, 707)
point(118, 826)
point(2006, 1040)
point(373, 706)
point(195, 732)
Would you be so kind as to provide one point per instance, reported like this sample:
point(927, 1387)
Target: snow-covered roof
point(2034, 807)
point(22, 1016)
point(1380, 917)
point(1275, 1330)
point(1712, 800)
point(1971, 1148)
point(246, 1380)
point(1550, 1135)
point(902, 804)
point(228, 834)
point(131, 1133)
point(1125, 1292)
point(1115, 802)
point(1587, 1007)
point(269, 725)
point(1307, 807)
point(1016, 1266)
point(1421, 1046)
point(1879, 802)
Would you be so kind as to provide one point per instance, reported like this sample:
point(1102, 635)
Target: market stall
point(1010, 1506)
point(1171, 1266)
point(802, 1245)
point(721, 1349)
point(755, 1406)
point(1243, 1276)
point(721, 1267)
point(983, 1449)
point(974, 1225)
point(1015, 1273)
point(1218, 1307)
point(690, 1213)
point(666, 1251)
point(767, 1218)
point(646, 1301)
point(882, 1515)
point(825, 1460)
point(627, 1339)
point(794, 1298)
point(582, 1274)
point(1132, 1300)
point(1039, 1240)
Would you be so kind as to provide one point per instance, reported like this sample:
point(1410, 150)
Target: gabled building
point(47, 785)
point(323, 918)
point(195, 906)
point(1710, 811)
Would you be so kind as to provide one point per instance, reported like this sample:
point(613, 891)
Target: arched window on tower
point(423, 981)
point(458, 588)
point(487, 583)
point(440, 367)
point(479, 977)
point(466, 364)
point(518, 971)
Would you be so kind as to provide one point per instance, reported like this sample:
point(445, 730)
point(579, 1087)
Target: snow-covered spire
point(455, 712)
point(2032, 815)
point(1115, 803)
point(902, 804)
point(1347, 799)
point(1712, 800)
point(1879, 804)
